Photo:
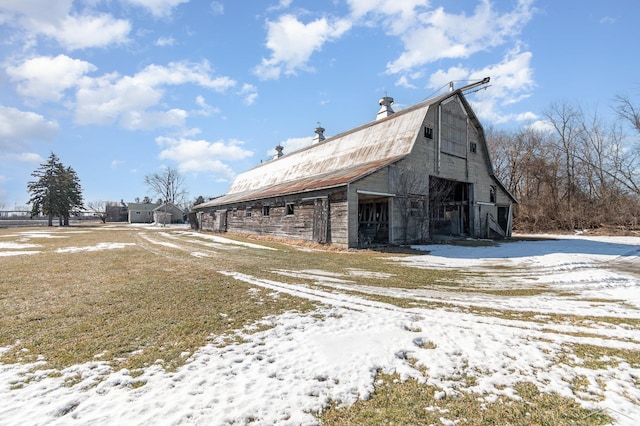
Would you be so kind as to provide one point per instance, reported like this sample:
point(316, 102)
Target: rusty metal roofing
point(311, 183)
point(335, 161)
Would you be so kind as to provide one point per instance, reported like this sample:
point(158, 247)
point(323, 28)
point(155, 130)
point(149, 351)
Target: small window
point(428, 132)
point(289, 209)
point(248, 214)
point(265, 210)
point(492, 194)
point(234, 212)
point(473, 147)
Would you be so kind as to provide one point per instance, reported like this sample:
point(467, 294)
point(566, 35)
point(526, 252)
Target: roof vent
point(385, 107)
point(319, 137)
point(279, 152)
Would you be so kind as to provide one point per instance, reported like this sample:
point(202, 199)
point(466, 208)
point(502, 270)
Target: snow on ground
point(97, 247)
point(15, 246)
point(17, 253)
point(283, 374)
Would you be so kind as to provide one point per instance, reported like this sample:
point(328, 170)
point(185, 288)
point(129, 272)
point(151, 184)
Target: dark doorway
point(449, 207)
point(373, 221)
point(503, 219)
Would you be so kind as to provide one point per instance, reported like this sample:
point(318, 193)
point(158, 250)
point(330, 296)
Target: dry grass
point(146, 302)
point(126, 306)
point(412, 403)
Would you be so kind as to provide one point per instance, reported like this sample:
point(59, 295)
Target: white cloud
point(184, 72)
point(292, 144)
point(403, 81)
point(217, 8)
point(36, 11)
point(128, 99)
point(437, 35)
point(58, 20)
point(165, 41)
point(79, 32)
point(24, 157)
point(202, 156)
point(174, 117)
point(511, 81)
point(205, 109)
point(292, 43)
point(17, 127)
point(542, 126)
point(158, 8)
point(282, 4)
point(395, 15)
point(249, 92)
point(45, 78)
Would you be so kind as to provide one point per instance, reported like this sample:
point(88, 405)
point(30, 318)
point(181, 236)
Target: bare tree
point(565, 120)
point(412, 203)
point(628, 112)
point(168, 185)
point(99, 209)
point(583, 174)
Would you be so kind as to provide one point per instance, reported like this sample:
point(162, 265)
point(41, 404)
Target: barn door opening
point(220, 221)
point(321, 220)
point(373, 221)
point(449, 207)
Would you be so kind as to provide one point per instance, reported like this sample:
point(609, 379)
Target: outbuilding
point(408, 176)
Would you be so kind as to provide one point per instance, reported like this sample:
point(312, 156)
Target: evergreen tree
point(56, 191)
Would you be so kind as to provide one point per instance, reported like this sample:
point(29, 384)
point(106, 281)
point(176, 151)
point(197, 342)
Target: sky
point(289, 366)
point(121, 89)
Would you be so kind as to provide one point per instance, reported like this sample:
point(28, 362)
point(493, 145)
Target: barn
point(408, 176)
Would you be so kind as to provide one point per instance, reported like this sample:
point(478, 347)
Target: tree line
point(56, 191)
point(581, 172)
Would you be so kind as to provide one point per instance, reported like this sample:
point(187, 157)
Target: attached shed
point(168, 213)
point(408, 176)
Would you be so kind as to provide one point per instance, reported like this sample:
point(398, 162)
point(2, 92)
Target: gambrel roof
point(336, 161)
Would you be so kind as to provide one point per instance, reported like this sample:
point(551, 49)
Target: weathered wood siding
point(451, 146)
point(284, 217)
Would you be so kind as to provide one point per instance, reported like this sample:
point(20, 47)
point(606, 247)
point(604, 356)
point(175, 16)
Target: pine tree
point(56, 191)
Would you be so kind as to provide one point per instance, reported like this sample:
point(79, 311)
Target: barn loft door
point(320, 220)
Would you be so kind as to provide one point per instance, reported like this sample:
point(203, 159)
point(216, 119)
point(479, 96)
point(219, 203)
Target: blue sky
point(120, 89)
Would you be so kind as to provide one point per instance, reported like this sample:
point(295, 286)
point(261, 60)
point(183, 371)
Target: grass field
point(135, 299)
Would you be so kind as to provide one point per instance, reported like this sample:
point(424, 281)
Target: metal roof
point(142, 206)
point(335, 161)
point(307, 184)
